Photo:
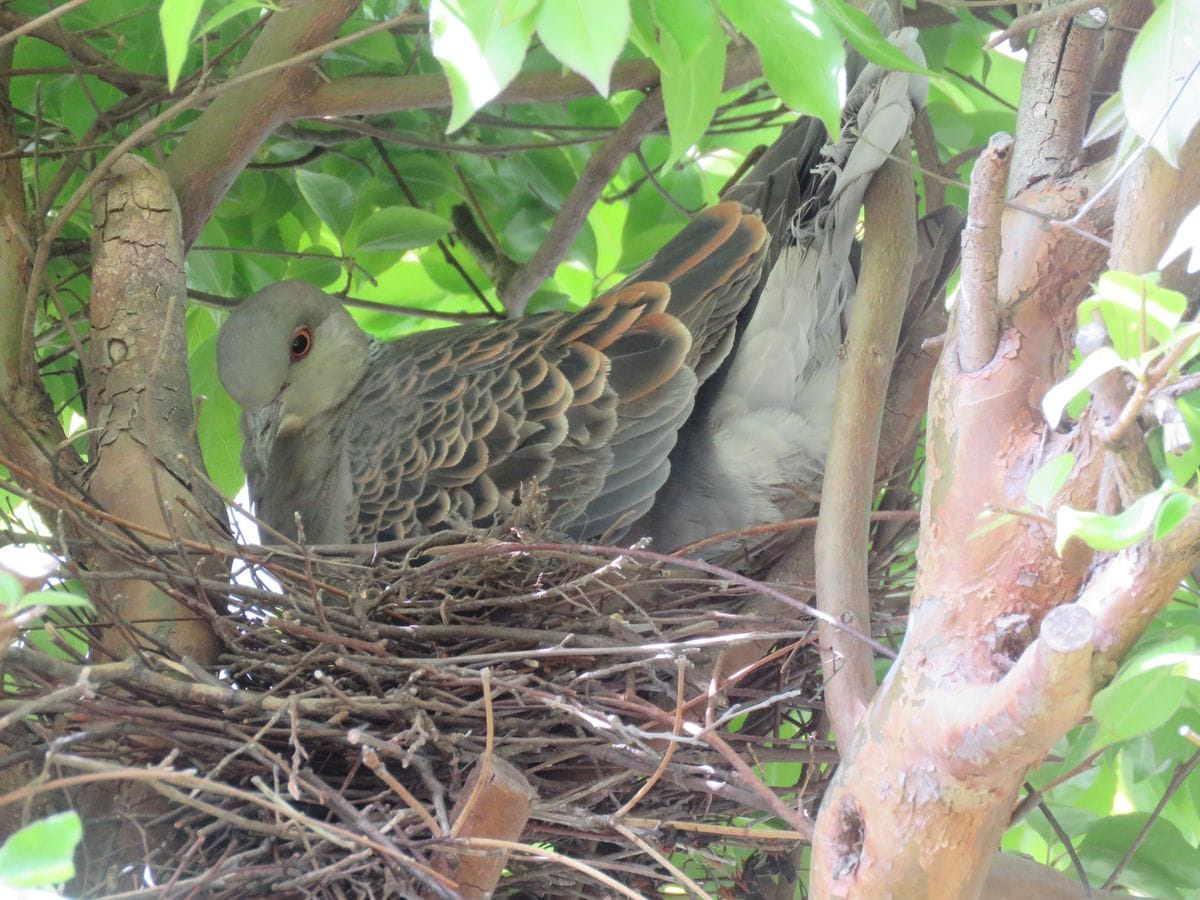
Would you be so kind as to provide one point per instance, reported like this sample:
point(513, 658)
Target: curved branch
point(218, 145)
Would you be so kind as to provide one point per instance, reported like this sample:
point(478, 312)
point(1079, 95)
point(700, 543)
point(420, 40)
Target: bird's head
point(289, 353)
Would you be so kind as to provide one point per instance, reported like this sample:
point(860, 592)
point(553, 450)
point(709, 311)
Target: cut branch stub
point(979, 322)
point(496, 807)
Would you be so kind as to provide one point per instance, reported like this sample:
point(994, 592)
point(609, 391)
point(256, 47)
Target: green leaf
point(585, 36)
point(231, 10)
point(644, 30)
point(686, 26)
point(1136, 705)
point(1095, 364)
point(480, 51)
point(1184, 464)
point(217, 423)
point(1174, 510)
point(400, 228)
point(318, 266)
point(1108, 120)
point(512, 10)
point(177, 20)
point(691, 90)
point(10, 592)
point(1164, 864)
point(1111, 533)
point(1136, 310)
point(1159, 82)
point(864, 36)
point(54, 599)
point(330, 198)
point(785, 33)
point(43, 853)
point(1049, 479)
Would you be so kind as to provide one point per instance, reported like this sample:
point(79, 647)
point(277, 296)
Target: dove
point(694, 397)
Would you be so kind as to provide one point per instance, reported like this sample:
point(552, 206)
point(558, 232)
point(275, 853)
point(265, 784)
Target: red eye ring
point(302, 342)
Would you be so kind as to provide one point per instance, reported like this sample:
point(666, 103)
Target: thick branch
point(1055, 100)
point(1041, 697)
point(1130, 589)
point(841, 541)
point(365, 95)
point(1155, 197)
point(30, 434)
point(218, 145)
point(139, 395)
point(919, 802)
point(925, 318)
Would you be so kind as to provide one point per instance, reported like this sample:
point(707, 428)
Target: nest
point(374, 723)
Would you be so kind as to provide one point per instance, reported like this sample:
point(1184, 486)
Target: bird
point(696, 396)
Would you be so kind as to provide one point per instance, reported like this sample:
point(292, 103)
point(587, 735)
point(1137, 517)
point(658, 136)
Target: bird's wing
point(448, 426)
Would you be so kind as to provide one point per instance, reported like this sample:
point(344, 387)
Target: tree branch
point(218, 145)
point(1131, 588)
point(75, 47)
point(889, 250)
point(596, 174)
point(139, 394)
point(30, 434)
point(1055, 93)
point(364, 95)
point(979, 320)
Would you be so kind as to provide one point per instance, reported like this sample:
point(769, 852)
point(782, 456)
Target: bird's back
point(447, 427)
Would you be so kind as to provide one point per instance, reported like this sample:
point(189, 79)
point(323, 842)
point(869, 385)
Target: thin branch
point(596, 174)
point(600, 168)
point(449, 257)
point(40, 22)
point(1022, 25)
point(1182, 771)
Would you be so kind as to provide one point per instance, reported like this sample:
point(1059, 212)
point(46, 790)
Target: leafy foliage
point(41, 854)
point(371, 206)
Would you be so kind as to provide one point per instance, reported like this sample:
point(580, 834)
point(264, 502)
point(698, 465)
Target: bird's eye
point(301, 343)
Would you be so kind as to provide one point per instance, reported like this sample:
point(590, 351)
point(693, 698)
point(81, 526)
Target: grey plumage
point(693, 398)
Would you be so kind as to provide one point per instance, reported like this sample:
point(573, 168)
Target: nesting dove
point(694, 397)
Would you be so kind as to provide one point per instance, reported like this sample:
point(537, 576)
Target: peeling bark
point(1055, 95)
point(927, 783)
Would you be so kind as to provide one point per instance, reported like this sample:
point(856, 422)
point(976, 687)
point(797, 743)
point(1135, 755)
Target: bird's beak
point(263, 427)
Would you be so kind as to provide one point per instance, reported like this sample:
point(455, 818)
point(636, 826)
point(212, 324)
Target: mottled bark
point(973, 701)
